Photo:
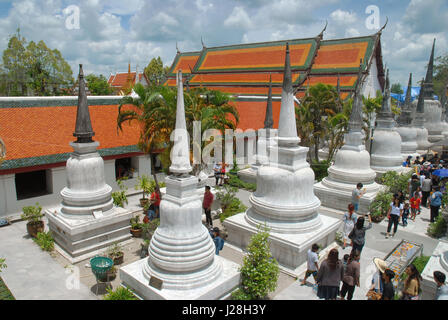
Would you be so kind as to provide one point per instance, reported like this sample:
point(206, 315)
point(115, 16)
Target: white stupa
point(87, 220)
point(284, 199)
point(386, 144)
point(405, 129)
point(351, 166)
point(181, 253)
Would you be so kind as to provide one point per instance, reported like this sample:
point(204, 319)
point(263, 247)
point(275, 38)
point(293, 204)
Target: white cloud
point(238, 19)
point(344, 17)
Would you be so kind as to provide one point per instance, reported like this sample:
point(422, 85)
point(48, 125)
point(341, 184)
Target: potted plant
point(136, 227)
point(33, 214)
point(111, 274)
point(144, 184)
point(115, 252)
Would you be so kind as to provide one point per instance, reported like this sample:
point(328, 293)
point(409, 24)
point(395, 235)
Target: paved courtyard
point(37, 275)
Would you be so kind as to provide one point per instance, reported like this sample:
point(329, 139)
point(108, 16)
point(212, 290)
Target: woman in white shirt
point(394, 214)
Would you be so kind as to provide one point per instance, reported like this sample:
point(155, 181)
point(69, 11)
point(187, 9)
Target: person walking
point(426, 190)
point(207, 205)
point(358, 234)
point(406, 212)
point(388, 287)
point(357, 194)
point(312, 263)
point(435, 201)
point(414, 182)
point(329, 276)
point(351, 276)
point(411, 284)
point(442, 288)
point(394, 214)
point(217, 172)
point(415, 205)
point(349, 220)
point(155, 201)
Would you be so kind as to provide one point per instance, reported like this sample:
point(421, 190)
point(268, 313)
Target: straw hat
point(427, 163)
point(380, 264)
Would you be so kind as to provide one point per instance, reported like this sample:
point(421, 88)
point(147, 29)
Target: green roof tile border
point(63, 101)
point(177, 58)
point(62, 157)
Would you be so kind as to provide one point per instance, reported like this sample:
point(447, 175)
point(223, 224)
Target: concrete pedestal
point(228, 279)
point(289, 249)
point(437, 262)
point(79, 238)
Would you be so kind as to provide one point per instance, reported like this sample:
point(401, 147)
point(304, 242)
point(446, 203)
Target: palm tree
point(154, 108)
point(318, 105)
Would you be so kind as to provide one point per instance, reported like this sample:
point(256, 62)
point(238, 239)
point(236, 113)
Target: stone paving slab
point(32, 274)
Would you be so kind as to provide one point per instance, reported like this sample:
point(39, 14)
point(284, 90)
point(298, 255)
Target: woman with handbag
point(376, 290)
point(349, 220)
point(358, 234)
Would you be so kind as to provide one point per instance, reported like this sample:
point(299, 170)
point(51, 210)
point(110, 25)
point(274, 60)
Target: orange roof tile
point(39, 131)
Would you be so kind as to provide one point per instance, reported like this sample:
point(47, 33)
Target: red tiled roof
point(39, 131)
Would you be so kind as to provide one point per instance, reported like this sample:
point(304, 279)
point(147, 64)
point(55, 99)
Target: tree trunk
point(153, 170)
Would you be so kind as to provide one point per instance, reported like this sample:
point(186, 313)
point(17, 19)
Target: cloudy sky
point(111, 33)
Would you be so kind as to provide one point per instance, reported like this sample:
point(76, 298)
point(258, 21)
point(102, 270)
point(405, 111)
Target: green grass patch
point(234, 181)
point(5, 294)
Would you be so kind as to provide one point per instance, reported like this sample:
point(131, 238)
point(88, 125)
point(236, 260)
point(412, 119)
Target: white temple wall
point(11, 207)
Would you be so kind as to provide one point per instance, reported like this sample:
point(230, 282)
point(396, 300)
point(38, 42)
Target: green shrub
point(45, 241)
point(259, 272)
point(320, 169)
point(239, 294)
point(32, 213)
point(2, 264)
point(225, 195)
point(149, 228)
point(396, 182)
point(438, 228)
point(235, 207)
point(380, 206)
point(119, 197)
point(120, 293)
point(234, 181)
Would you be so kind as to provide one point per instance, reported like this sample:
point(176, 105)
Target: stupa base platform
point(83, 238)
point(437, 262)
point(248, 175)
point(340, 198)
point(132, 277)
point(289, 249)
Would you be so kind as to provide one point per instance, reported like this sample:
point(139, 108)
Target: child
point(415, 205)
point(405, 214)
point(312, 263)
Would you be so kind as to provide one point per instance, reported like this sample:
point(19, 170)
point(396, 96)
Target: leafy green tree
point(155, 71)
point(260, 270)
point(441, 75)
point(98, 85)
point(15, 61)
point(396, 88)
point(34, 68)
point(319, 104)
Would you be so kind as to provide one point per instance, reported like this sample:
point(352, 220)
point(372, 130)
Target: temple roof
point(245, 68)
point(120, 79)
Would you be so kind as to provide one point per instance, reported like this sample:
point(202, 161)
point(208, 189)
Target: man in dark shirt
point(388, 287)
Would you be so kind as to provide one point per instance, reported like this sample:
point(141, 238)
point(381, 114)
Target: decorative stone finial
point(428, 85)
point(421, 100)
point(268, 119)
point(287, 127)
point(83, 130)
point(386, 110)
point(405, 117)
point(180, 154)
point(355, 122)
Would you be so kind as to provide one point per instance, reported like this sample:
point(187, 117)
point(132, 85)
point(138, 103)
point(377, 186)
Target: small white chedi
point(284, 200)
point(351, 165)
point(266, 139)
point(405, 129)
point(87, 220)
point(182, 256)
point(386, 144)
